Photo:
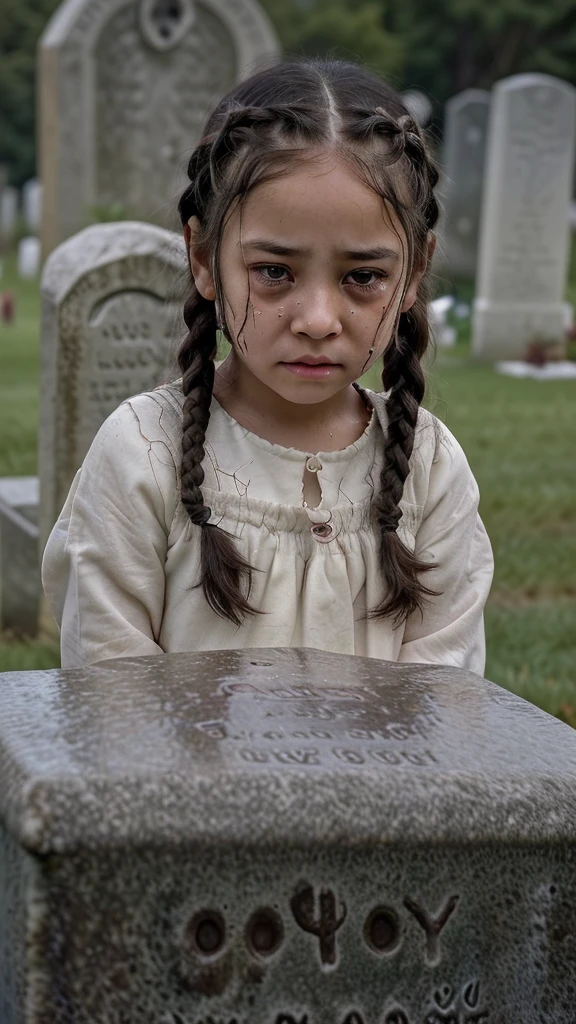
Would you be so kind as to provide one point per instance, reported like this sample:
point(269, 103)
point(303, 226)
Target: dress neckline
point(342, 454)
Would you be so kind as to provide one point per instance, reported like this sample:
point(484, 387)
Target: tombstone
point(419, 106)
point(124, 89)
point(8, 215)
point(20, 585)
point(465, 124)
point(523, 258)
point(29, 258)
point(32, 205)
point(283, 837)
point(112, 299)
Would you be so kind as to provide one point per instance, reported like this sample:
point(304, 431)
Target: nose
point(316, 315)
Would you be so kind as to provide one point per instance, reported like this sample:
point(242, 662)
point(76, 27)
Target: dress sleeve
point(450, 629)
point(103, 566)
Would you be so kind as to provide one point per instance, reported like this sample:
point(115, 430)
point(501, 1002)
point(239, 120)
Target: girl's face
point(313, 269)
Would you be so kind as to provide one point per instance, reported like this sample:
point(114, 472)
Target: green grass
point(519, 438)
point(19, 376)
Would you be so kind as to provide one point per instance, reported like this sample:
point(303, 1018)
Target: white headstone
point(124, 89)
point(112, 299)
point(419, 105)
point(466, 119)
point(8, 213)
point(32, 205)
point(29, 257)
point(525, 217)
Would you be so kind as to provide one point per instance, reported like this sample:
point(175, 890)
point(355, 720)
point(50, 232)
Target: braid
point(225, 576)
point(402, 375)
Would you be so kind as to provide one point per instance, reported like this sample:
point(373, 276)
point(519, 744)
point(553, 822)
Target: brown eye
point(271, 273)
point(367, 279)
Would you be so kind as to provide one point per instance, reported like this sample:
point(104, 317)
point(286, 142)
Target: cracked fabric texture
point(121, 564)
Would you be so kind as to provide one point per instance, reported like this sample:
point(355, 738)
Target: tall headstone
point(124, 88)
point(283, 837)
point(112, 300)
point(466, 119)
point(524, 239)
point(32, 205)
point(8, 214)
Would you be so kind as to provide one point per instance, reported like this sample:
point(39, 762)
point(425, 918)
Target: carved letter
point(325, 925)
point(432, 925)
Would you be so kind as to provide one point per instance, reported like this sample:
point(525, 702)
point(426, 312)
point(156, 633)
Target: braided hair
point(256, 134)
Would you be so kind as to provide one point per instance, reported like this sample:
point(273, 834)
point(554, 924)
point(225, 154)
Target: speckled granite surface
point(283, 837)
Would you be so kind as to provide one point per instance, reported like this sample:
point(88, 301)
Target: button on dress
point(121, 565)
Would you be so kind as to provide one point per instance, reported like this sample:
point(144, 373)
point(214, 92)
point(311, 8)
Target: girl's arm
point(450, 630)
point(103, 567)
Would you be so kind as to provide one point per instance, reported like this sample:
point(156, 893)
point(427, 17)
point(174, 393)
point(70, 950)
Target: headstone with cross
point(124, 89)
point(283, 837)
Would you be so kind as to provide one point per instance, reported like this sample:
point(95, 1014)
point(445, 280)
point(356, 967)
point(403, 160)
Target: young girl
point(270, 501)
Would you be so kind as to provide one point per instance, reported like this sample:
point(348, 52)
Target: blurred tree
point(348, 29)
point(21, 25)
point(457, 44)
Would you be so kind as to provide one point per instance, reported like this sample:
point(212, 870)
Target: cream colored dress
point(121, 562)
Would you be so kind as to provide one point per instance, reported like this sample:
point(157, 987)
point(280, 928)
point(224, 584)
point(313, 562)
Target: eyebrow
point(275, 248)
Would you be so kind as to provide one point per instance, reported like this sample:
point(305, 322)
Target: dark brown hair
point(256, 133)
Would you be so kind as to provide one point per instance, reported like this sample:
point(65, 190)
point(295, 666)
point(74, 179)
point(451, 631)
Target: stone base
point(502, 331)
point(19, 556)
point(283, 837)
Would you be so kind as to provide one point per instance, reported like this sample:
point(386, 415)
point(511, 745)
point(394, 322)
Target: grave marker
point(8, 214)
point(19, 561)
point(464, 152)
point(32, 205)
point(124, 88)
point(523, 257)
point(112, 301)
point(283, 836)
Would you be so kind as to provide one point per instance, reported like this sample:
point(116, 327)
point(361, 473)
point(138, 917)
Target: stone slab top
point(19, 491)
point(277, 747)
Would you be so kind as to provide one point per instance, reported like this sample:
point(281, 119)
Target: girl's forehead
point(318, 201)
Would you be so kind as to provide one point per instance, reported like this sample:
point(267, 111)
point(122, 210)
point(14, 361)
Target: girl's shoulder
point(438, 461)
point(158, 414)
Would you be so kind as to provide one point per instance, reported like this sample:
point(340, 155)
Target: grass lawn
point(519, 438)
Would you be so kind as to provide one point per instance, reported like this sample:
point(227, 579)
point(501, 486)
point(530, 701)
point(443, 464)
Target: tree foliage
point(348, 29)
point(440, 47)
point(21, 25)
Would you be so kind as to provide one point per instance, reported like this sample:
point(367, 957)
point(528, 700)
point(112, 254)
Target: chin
point(308, 394)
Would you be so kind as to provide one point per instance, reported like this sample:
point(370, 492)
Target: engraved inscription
point(382, 930)
point(432, 925)
point(321, 918)
point(447, 1006)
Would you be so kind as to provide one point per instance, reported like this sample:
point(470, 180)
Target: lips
point(312, 361)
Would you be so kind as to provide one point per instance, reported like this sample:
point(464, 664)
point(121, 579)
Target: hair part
point(256, 134)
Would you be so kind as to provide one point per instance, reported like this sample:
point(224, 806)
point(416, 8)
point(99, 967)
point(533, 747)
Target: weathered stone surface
point(125, 86)
point(466, 118)
point(112, 301)
point(524, 239)
point(284, 836)
point(19, 556)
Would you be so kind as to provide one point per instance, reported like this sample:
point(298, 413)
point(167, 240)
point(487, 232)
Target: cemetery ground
point(519, 438)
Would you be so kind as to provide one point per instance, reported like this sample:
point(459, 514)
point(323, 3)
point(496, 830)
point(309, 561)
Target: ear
point(412, 289)
point(200, 265)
